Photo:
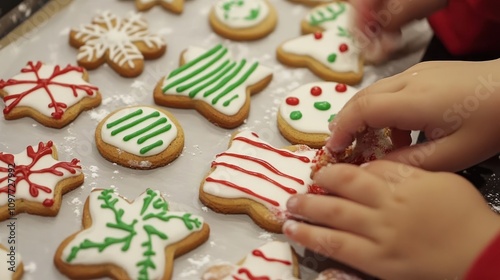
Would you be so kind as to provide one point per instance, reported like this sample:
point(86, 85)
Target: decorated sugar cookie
point(140, 137)
point(273, 260)
point(51, 94)
point(311, 2)
point(129, 240)
point(331, 55)
point(330, 16)
point(305, 113)
point(214, 84)
point(254, 178)
point(121, 43)
point(174, 6)
point(11, 265)
point(34, 181)
point(243, 19)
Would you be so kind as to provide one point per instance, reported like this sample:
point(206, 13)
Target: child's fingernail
point(364, 164)
point(290, 227)
point(292, 203)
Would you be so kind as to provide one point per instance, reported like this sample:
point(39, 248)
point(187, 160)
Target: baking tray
point(232, 236)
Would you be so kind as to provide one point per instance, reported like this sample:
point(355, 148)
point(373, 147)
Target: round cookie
point(305, 113)
point(140, 137)
point(243, 20)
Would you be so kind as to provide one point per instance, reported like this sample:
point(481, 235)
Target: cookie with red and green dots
point(305, 113)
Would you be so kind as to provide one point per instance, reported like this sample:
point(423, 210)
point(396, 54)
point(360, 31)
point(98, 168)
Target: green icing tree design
point(328, 14)
point(228, 6)
point(154, 207)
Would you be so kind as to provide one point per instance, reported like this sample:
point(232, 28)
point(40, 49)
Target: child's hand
point(456, 104)
point(394, 221)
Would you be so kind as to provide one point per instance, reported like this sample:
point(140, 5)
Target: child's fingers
point(333, 212)
point(345, 247)
point(351, 182)
point(391, 172)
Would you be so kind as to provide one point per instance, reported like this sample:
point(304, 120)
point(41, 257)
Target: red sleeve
point(490, 9)
point(486, 266)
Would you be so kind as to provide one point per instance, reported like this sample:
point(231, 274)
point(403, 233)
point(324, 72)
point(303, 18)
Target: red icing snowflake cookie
point(34, 181)
point(305, 113)
point(273, 260)
point(261, 179)
point(51, 94)
point(129, 240)
point(174, 6)
point(123, 44)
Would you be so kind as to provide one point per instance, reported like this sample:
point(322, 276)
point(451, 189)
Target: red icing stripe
point(259, 253)
point(242, 189)
point(272, 149)
point(249, 275)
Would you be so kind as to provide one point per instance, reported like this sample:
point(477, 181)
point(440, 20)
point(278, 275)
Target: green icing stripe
point(201, 79)
point(228, 102)
point(225, 80)
point(155, 133)
point(215, 79)
point(198, 59)
point(146, 129)
point(122, 119)
point(237, 84)
point(150, 147)
point(195, 72)
point(132, 124)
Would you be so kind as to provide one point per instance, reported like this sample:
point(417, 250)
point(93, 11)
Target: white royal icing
point(321, 49)
point(330, 16)
point(60, 86)
point(217, 74)
point(45, 179)
point(154, 123)
point(5, 267)
point(173, 228)
point(289, 166)
point(116, 37)
point(241, 13)
point(314, 120)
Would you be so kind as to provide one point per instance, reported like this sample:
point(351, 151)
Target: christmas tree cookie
point(262, 179)
point(51, 94)
point(243, 20)
point(214, 84)
point(11, 265)
point(273, 260)
point(305, 113)
point(34, 181)
point(330, 16)
point(129, 240)
point(174, 6)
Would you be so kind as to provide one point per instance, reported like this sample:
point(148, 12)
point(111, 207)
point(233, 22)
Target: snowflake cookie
point(256, 179)
point(243, 20)
point(50, 94)
point(11, 265)
point(129, 240)
point(214, 84)
point(122, 43)
point(34, 181)
point(175, 6)
point(274, 260)
point(140, 137)
point(330, 16)
point(305, 113)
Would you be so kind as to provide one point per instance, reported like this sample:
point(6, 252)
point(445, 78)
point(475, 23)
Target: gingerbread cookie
point(175, 6)
point(140, 137)
point(261, 180)
point(129, 240)
point(50, 94)
point(122, 43)
point(273, 260)
point(332, 55)
point(214, 84)
point(34, 181)
point(330, 16)
point(311, 2)
point(243, 20)
point(11, 265)
point(305, 113)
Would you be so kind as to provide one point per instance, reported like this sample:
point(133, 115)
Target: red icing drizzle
point(23, 172)
point(341, 88)
point(249, 275)
point(271, 149)
point(256, 174)
point(343, 47)
point(318, 35)
point(292, 101)
point(45, 83)
point(259, 253)
point(242, 189)
point(316, 91)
